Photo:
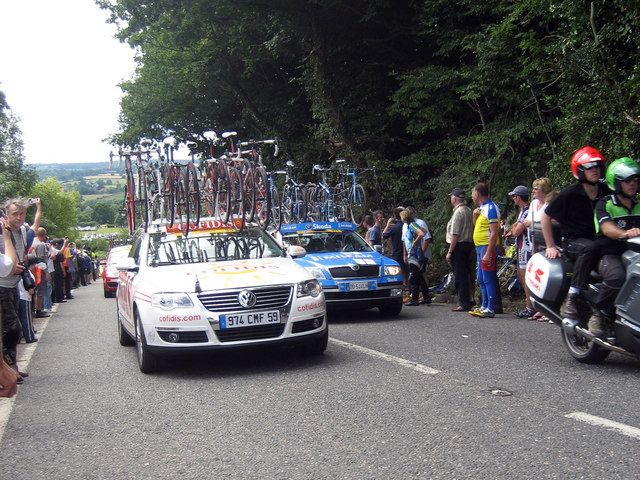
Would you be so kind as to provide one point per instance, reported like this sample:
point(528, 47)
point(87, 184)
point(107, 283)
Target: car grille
point(266, 298)
point(250, 333)
point(357, 295)
point(364, 271)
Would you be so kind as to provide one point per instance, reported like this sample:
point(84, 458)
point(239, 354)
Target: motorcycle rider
point(573, 209)
point(617, 218)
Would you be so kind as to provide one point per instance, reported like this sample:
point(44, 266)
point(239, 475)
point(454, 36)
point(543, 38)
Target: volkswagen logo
point(246, 299)
point(355, 267)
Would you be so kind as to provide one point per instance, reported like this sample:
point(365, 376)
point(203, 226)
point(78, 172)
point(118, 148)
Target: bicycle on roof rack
point(263, 186)
point(294, 197)
point(320, 203)
point(350, 197)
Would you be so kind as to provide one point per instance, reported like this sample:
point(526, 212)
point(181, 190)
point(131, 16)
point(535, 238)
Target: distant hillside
point(74, 171)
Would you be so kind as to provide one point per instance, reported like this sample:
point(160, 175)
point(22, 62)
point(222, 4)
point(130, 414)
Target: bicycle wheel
point(313, 207)
point(208, 192)
point(143, 198)
point(223, 191)
point(299, 204)
point(181, 200)
point(276, 209)
point(130, 202)
point(169, 204)
point(236, 191)
point(249, 187)
point(357, 204)
point(154, 200)
point(263, 198)
point(286, 210)
point(193, 193)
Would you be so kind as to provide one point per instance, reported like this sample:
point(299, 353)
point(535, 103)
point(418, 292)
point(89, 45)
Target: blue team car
point(352, 273)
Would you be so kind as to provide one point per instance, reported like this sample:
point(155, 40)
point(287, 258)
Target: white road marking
point(389, 358)
point(622, 428)
point(26, 352)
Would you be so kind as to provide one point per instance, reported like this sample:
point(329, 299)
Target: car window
point(135, 250)
point(324, 242)
point(211, 247)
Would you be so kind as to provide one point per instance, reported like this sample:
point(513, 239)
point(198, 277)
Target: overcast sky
point(59, 69)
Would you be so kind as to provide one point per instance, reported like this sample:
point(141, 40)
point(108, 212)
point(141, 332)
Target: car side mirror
point(296, 251)
point(378, 248)
point(127, 264)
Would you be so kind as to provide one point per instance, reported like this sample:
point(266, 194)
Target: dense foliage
point(435, 93)
point(15, 178)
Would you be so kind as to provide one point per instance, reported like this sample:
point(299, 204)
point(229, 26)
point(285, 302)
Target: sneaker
point(485, 313)
point(596, 324)
point(412, 303)
point(475, 311)
point(42, 314)
point(569, 308)
point(525, 313)
point(425, 300)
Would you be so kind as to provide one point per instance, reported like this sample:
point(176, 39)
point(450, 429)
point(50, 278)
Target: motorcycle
point(548, 283)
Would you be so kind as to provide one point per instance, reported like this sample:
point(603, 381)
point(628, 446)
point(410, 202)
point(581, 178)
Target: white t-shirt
point(6, 265)
point(535, 214)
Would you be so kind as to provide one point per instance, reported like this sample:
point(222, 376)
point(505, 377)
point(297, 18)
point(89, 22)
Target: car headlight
point(392, 270)
point(317, 273)
point(309, 288)
point(169, 301)
point(111, 271)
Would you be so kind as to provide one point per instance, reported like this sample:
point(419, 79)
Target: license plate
point(249, 319)
point(355, 286)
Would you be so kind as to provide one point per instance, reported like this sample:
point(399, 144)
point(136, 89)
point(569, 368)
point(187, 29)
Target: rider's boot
point(596, 324)
point(569, 308)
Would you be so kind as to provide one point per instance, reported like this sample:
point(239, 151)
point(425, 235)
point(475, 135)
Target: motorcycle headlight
point(309, 288)
point(169, 301)
point(391, 270)
point(317, 273)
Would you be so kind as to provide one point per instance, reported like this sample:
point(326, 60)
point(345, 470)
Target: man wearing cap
point(524, 243)
point(459, 236)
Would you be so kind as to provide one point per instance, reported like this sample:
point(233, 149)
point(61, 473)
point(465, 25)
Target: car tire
point(123, 337)
point(316, 346)
point(391, 309)
point(147, 362)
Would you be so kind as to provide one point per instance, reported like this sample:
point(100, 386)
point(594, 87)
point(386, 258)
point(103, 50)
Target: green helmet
point(619, 170)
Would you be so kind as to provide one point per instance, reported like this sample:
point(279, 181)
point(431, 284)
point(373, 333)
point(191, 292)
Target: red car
point(109, 271)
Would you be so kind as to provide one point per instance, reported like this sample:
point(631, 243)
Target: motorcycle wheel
point(582, 349)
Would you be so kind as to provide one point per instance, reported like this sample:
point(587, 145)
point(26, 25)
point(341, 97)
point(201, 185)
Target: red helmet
point(584, 158)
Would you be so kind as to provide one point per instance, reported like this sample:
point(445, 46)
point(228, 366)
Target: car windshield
point(211, 247)
point(321, 242)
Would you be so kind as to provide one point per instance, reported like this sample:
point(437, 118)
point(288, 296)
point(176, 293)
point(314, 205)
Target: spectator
point(486, 220)
point(24, 311)
point(86, 266)
point(524, 242)
point(68, 253)
point(8, 261)
point(541, 188)
point(367, 223)
point(14, 234)
point(47, 304)
point(59, 271)
point(416, 259)
point(375, 234)
point(393, 231)
point(426, 247)
point(40, 252)
point(459, 236)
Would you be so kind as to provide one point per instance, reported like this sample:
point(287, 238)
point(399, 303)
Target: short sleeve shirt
point(574, 210)
point(489, 214)
point(609, 209)
point(375, 236)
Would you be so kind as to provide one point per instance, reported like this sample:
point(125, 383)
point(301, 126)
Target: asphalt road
point(429, 394)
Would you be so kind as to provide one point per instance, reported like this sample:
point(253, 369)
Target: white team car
point(215, 288)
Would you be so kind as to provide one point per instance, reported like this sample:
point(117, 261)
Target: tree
point(103, 213)
point(59, 209)
point(15, 178)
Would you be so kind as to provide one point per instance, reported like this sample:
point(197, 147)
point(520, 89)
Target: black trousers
point(584, 253)
point(417, 282)
point(11, 327)
point(613, 276)
point(460, 268)
point(58, 286)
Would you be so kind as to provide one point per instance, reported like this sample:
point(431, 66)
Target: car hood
point(221, 275)
point(329, 259)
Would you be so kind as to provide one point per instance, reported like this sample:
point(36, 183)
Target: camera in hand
point(27, 280)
